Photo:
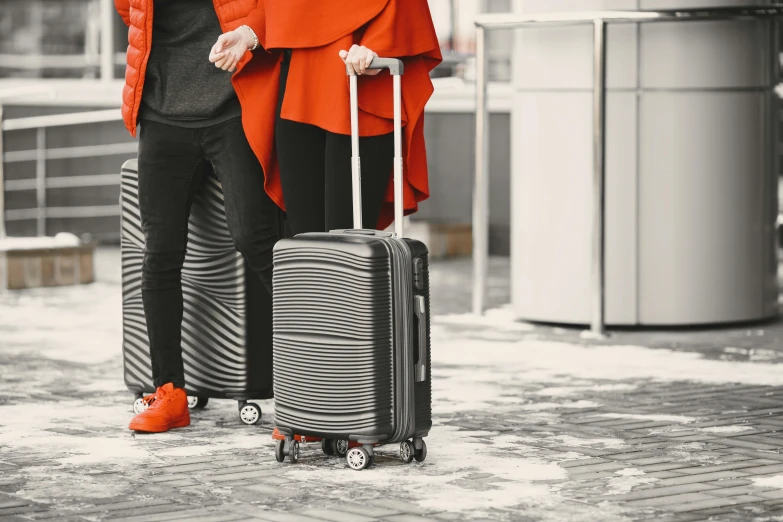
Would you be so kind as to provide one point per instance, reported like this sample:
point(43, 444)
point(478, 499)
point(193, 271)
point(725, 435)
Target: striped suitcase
point(227, 319)
point(351, 330)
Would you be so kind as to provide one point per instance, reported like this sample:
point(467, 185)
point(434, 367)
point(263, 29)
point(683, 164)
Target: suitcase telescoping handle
point(396, 69)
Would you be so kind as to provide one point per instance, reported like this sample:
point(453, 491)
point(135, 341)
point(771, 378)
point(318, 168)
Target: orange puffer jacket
point(254, 84)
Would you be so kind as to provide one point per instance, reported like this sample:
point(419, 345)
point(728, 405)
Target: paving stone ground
point(532, 422)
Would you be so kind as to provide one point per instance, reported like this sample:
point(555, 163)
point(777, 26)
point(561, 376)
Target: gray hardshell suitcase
point(352, 330)
point(227, 315)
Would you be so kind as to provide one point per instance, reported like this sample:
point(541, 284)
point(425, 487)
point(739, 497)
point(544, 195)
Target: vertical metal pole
point(107, 40)
point(481, 180)
point(453, 39)
point(2, 180)
point(40, 180)
point(599, 172)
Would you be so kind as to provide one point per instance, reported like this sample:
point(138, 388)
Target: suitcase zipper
point(403, 311)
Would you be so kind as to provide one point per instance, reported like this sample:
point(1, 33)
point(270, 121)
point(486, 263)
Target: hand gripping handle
point(394, 65)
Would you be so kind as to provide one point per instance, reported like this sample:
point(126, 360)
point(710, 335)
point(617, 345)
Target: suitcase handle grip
point(363, 232)
point(394, 65)
point(420, 308)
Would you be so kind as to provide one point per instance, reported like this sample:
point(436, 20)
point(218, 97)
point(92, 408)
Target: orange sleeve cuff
point(256, 21)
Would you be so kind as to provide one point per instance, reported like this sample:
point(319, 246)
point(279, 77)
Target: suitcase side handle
point(420, 308)
point(396, 68)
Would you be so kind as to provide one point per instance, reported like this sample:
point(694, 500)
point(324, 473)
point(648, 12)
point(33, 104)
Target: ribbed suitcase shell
point(346, 338)
point(227, 319)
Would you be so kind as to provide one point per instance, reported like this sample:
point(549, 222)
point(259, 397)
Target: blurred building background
point(62, 174)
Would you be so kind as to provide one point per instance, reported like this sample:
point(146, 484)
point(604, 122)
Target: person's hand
point(359, 57)
point(230, 48)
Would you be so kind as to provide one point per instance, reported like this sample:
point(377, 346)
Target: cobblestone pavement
point(532, 423)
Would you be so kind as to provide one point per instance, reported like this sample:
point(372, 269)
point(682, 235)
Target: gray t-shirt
point(182, 87)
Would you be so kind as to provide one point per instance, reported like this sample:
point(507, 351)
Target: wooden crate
point(443, 240)
point(22, 268)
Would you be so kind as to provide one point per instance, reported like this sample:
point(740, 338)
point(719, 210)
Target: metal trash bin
point(690, 170)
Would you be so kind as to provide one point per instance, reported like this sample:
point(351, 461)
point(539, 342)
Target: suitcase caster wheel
point(421, 454)
point(358, 459)
point(139, 405)
point(327, 445)
point(279, 455)
point(406, 452)
point(293, 453)
point(250, 413)
point(341, 448)
point(196, 403)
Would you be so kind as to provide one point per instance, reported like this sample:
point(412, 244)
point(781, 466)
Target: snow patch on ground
point(775, 481)
point(539, 406)
point(469, 389)
point(629, 472)
point(77, 324)
point(51, 485)
point(502, 319)
point(472, 376)
point(726, 429)
point(72, 438)
point(602, 443)
point(33, 428)
point(652, 418)
point(565, 391)
point(627, 480)
point(554, 362)
point(453, 456)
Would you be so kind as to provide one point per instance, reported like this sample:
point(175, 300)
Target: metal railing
point(599, 21)
point(33, 62)
point(40, 155)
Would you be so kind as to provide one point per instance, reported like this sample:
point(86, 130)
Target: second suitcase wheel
point(358, 458)
point(406, 452)
point(421, 454)
point(341, 447)
point(250, 413)
point(293, 453)
point(139, 405)
point(279, 454)
point(196, 403)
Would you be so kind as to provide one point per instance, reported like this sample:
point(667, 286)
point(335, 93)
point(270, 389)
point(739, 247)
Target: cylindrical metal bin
point(691, 169)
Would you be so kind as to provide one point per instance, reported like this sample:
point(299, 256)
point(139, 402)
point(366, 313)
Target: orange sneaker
point(168, 408)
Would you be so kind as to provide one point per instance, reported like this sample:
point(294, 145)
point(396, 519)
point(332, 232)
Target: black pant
point(315, 172)
point(170, 174)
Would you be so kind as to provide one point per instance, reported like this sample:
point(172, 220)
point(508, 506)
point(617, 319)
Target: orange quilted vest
point(138, 14)
point(254, 81)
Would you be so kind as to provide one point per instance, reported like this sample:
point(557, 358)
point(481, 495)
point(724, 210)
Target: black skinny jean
point(315, 172)
point(169, 179)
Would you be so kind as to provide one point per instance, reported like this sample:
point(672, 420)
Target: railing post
point(2, 180)
point(40, 180)
point(107, 40)
point(599, 178)
point(481, 179)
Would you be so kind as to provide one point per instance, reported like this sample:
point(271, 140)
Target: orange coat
point(373, 23)
point(255, 87)
point(317, 86)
